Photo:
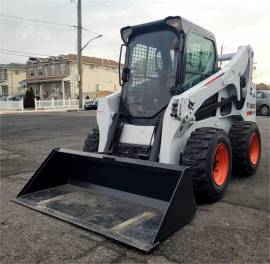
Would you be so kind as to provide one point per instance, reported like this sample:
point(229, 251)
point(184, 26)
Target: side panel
point(107, 107)
point(173, 140)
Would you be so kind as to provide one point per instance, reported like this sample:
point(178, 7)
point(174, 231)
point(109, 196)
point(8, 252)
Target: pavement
point(33, 111)
point(233, 230)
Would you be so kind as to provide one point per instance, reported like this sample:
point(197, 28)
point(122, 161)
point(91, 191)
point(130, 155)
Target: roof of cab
point(183, 26)
point(190, 26)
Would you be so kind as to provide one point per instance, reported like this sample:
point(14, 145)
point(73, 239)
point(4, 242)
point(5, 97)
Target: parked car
point(91, 105)
point(10, 98)
point(17, 97)
point(263, 102)
point(3, 98)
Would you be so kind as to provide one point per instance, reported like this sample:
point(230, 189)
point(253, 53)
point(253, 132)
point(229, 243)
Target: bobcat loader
point(173, 135)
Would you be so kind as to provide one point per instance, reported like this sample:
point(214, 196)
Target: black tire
point(240, 135)
point(199, 154)
point(92, 140)
point(264, 110)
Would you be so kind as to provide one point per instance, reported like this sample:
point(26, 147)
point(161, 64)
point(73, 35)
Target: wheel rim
point(264, 110)
point(221, 164)
point(254, 148)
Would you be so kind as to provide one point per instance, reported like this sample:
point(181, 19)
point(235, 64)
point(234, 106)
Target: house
point(10, 77)
point(56, 77)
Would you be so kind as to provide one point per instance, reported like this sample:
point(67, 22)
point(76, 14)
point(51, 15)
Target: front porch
point(50, 88)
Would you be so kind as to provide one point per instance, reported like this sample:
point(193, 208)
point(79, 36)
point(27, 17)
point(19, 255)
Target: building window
point(3, 74)
point(91, 66)
point(96, 68)
point(16, 72)
point(98, 87)
point(48, 70)
point(62, 68)
point(40, 70)
point(51, 70)
point(32, 72)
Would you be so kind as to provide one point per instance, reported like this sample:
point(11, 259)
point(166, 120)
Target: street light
point(81, 72)
point(99, 36)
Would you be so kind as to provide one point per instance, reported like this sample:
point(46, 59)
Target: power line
point(12, 19)
point(24, 52)
point(10, 53)
point(137, 9)
point(34, 25)
point(126, 9)
point(35, 20)
point(90, 31)
point(51, 49)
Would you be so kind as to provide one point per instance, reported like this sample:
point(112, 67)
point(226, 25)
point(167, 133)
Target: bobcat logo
point(190, 105)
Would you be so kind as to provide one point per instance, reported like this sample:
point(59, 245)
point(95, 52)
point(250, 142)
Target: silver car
point(263, 102)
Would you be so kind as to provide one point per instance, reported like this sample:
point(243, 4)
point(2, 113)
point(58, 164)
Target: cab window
point(200, 60)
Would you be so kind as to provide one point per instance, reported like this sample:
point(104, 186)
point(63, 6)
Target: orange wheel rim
point(221, 164)
point(254, 148)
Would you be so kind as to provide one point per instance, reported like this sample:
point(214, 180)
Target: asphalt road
point(234, 230)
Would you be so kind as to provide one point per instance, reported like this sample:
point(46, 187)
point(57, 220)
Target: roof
point(15, 66)
point(44, 79)
point(73, 58)
point(93, 60)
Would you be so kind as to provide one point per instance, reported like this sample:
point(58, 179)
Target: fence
point(42, 104)
point(11, 105)
point(58, 104)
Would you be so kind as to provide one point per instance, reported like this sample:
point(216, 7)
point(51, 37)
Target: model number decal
point(251, 106)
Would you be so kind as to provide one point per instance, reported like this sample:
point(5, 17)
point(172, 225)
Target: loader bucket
point(133, 201)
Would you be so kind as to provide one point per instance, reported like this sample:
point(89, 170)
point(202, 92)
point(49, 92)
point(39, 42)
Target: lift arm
point(180, 116)
point(237, 73)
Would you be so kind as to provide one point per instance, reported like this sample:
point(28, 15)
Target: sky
point(46, 27)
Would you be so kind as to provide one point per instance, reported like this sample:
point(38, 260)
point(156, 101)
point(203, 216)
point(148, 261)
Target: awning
point(45, 80)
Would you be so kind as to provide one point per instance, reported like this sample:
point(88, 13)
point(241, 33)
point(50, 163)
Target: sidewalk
point(43, 111)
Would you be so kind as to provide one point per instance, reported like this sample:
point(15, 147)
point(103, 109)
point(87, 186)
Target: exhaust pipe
point(136, 202)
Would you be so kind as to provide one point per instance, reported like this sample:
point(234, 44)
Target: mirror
point(123, 62)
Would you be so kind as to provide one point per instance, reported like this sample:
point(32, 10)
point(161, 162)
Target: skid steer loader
point(173, 135)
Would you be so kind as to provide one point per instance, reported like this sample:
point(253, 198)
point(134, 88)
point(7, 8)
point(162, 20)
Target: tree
point(29, 99)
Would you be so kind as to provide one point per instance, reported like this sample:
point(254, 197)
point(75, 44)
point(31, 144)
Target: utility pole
point(79, 52)
point(221, 49)
point(221, 52)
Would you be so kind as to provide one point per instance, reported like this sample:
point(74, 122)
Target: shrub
point(29, 99)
